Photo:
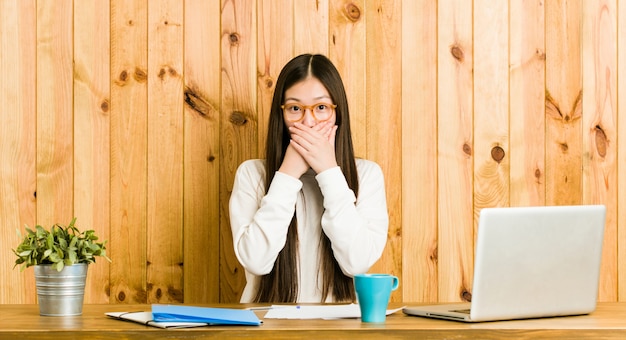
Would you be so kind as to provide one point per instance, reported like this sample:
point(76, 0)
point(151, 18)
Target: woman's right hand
point(293, 163)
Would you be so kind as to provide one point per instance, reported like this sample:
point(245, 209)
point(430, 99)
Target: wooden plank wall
point(133, 116)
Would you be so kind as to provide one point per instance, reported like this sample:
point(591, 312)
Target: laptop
point(531, 262)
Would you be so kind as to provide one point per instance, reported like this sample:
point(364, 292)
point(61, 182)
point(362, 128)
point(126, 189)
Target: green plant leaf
point(58, 266)
point(72, 256)
point(73, 242)
point(49, 239)
point(59, 246)
point(25, 253)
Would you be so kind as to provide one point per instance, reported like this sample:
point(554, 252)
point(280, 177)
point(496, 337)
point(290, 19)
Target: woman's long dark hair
point(281, 284)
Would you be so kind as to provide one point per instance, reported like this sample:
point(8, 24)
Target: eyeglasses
point(294, 112)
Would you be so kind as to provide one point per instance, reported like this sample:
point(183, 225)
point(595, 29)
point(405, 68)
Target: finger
point(303, 144)
point(321, 126)
point(313, 130)
point(299, 149)
point(327, 130)
point(306, 133)
point(332, 134)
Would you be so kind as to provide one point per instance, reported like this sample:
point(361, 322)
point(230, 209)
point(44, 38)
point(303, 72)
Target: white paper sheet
point(317, 312)
point(145, 318)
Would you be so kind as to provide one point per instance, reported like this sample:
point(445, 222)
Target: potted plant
point(60, 257)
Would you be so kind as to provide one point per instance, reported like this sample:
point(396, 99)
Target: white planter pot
point(60, 293)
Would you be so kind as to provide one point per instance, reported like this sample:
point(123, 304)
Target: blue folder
point(214, 316)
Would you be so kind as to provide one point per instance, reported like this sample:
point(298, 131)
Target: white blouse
point(357, 228)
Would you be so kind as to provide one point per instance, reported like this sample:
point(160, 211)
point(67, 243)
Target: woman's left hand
point(315, 144)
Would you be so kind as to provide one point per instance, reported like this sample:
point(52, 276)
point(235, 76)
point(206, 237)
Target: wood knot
point(269, 83)
point(601, 141)
point(467, 149)
point(234, 39)
point(497, 153)
point(210, 158)
point(158, 293)
point(130, 23)
point(457, 53)
point(238, 118)
point(552, 107)
point(353, 12)
point(564, 147)
point(121, 296)
point(537, 173)
point(140, 75)
point(466, 296)
point(196, 102)
point(541, 55)
point(123, 76)
point(434, 255)
point(104, 106)
point(166, 70)
point(175, 294)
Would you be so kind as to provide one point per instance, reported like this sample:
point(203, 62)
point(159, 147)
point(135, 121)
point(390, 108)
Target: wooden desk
point(23, 322)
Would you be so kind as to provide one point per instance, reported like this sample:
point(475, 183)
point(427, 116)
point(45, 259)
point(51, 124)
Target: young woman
point(309, 216)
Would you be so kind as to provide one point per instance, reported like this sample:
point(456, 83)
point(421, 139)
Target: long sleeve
point(357, 228)
point(259, 222)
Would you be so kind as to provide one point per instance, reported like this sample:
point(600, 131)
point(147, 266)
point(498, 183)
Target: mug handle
point(395, 283)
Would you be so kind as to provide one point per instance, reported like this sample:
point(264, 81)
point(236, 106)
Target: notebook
point(531, 262)
point(212, 316)
point(182, 316)
point(145, 318)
